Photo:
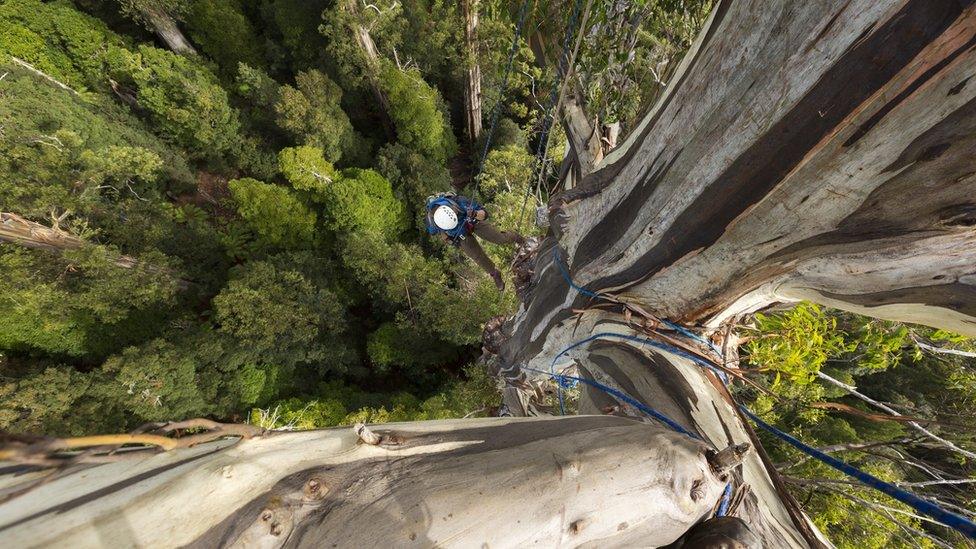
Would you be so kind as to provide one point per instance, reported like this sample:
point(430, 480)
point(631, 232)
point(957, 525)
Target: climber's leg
point(472, 249)
point(490, 233)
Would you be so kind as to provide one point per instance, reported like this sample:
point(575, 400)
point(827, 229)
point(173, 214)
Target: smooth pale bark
point(579, 481)
point(472, 90)
point(168, 31)
point(803, 150)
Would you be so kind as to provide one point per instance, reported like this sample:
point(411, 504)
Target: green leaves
point(416, 111)
point(185, 102)
point(312, 116)
point(278, 216)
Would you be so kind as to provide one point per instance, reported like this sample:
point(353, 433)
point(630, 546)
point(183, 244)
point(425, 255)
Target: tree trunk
point(168, 31)
point(805, 150)
point(501, 482)
point(818, 150)
point(14, 229)
point(371, 58)
point(472, 90)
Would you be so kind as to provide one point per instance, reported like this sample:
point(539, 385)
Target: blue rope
point(952, 520)
point(561, 378)
point(674, 326)
point(568, 278)
point(723, 506)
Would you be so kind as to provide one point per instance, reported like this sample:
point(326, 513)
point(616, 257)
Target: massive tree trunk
point(805, 150)
point(168, 31)
point(496, 483)
point(472, 90)
point(819, 150)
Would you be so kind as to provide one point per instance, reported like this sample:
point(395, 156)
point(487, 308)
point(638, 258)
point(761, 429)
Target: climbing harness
point(947, 518)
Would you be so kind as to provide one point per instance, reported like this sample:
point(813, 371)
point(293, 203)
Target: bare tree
point(472, 90)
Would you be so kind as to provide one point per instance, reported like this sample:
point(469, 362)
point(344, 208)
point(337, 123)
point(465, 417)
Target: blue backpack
point(463, 207)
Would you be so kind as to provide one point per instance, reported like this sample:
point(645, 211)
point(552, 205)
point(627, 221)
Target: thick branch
point(572, 481)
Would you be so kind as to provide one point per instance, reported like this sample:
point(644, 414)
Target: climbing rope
point(496, 109)
point(952, 520)
point(566, 58)
point(947, 518)
point(565, 380)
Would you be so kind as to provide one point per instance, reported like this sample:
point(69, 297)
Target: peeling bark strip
point(777, 148)
point(753, 175)
point(603, 481)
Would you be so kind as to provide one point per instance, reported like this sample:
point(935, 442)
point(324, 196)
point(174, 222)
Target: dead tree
point(472, 89)
point(805, 150)
point(14, 229)
point(166, 28)
point(371, 62)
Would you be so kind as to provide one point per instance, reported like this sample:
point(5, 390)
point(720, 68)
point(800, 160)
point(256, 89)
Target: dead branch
point(99, 448)
point(914, 424)
point(42, 74)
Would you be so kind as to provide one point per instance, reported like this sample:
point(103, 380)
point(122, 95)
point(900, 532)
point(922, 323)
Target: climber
point(453, 218)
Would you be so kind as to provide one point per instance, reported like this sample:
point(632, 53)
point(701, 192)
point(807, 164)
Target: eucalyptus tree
point(818, 150)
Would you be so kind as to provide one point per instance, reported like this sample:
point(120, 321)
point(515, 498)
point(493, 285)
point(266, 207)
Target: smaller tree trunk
point(472, 91)
point(168, 31)
point(371, 56)
point(14, 229)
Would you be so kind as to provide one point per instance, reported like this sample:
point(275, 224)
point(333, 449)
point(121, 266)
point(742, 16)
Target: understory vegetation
point(252, 214)
point(808, 362)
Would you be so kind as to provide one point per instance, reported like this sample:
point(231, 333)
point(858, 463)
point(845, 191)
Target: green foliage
point(306, 169)
point(288, 306)
point(413, 176)
point(796, 344)
point(311, 115)
point(295, 24)
point(342, 405)
point(224, 33)
point(362, 201)
point(78, 305)
point(57, 40)
point(57, 148)
point(278, 216)
point(387, 351)
point(417, 113)
point(184, 101)
point(159, 381)
point(879, 359)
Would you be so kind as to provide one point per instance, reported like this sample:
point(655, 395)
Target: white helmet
point(445, 218)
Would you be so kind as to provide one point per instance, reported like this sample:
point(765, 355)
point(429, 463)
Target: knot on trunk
point(723, 461)
point(523, 267)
